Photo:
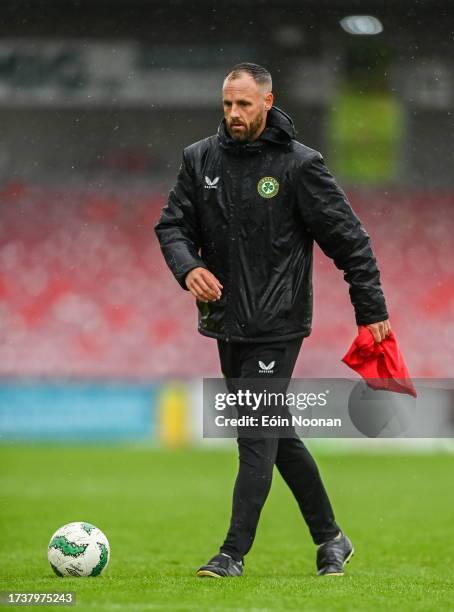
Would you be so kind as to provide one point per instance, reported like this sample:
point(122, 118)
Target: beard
point(250, 131)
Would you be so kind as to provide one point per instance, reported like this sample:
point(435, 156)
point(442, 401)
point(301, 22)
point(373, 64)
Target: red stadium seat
point(84, 291)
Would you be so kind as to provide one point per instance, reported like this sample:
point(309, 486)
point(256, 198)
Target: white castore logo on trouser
point(211, 184)
point(266, 369)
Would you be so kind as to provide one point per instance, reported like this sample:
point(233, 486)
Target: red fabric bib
point(381, 364)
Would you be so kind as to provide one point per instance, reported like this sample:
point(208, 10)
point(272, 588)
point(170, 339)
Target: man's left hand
point(379, 330)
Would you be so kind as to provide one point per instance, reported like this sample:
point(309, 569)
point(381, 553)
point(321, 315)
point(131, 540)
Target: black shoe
point(221, 566)
point(333, 555)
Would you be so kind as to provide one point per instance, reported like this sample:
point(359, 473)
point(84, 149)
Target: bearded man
point(238, 232)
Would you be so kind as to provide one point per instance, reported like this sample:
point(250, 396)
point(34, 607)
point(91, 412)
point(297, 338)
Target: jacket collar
point(279, 130)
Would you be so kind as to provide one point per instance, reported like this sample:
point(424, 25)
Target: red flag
point(381, 364)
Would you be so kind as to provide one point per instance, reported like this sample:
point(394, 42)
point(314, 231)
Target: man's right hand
point(203, 285)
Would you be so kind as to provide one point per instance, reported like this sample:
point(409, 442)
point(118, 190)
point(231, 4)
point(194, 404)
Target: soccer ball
point(78, 549)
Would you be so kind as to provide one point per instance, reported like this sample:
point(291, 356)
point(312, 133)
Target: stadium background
point(97, 99)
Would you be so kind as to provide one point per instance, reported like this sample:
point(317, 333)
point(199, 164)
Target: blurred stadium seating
point(84, 291)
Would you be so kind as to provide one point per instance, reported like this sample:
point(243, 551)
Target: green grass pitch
point(165, 513)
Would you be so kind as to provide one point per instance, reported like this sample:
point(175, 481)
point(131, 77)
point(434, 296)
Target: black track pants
point(257, 456)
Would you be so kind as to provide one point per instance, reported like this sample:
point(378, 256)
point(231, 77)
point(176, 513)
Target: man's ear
point(269, 98)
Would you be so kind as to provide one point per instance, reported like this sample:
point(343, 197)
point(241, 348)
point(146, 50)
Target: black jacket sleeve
point(178, 229)
point(329, 217)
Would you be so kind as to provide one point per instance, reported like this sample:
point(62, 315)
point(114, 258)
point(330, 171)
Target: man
point(238, 232)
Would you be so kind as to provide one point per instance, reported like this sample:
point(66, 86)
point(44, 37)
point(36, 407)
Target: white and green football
point(78, 549)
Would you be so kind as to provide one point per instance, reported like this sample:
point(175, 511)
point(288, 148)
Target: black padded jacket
point(249, 212)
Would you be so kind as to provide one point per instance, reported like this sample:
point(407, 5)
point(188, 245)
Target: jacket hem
point(254, 339)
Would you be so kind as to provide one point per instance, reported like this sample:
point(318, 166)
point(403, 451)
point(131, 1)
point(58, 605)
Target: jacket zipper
point(238, 178)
